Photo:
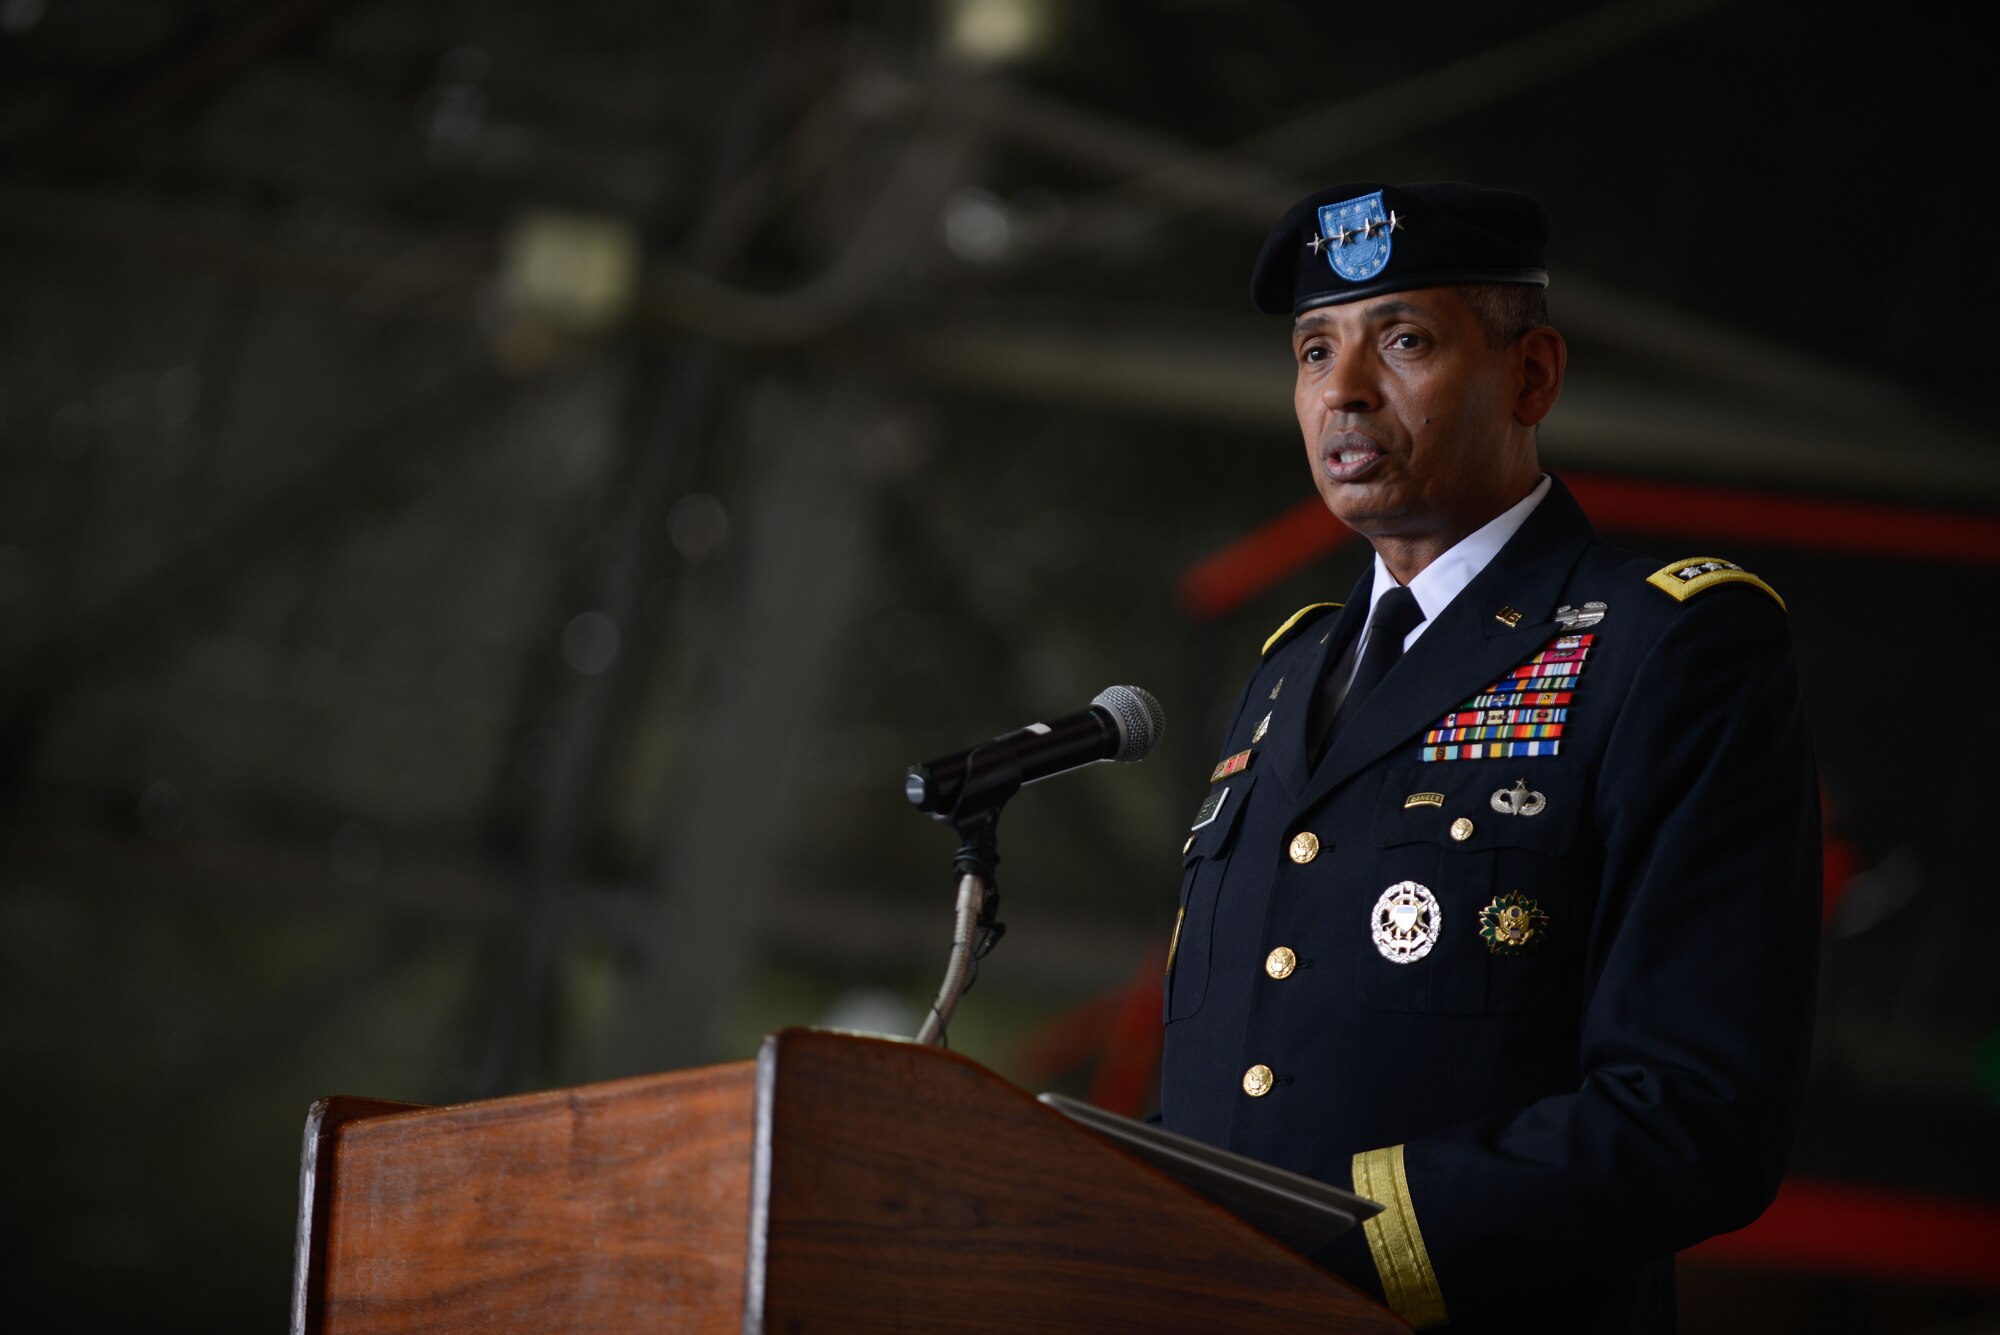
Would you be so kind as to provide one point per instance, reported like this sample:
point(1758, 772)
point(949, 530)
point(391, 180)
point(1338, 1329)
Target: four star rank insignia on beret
point(1357, 236)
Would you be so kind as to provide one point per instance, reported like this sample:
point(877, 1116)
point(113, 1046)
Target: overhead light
point(991, 32)
point(575, 270)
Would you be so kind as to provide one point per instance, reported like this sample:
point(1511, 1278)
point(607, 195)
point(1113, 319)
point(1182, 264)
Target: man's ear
point(1541, 355)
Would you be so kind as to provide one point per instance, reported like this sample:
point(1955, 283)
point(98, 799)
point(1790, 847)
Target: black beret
point(1360, 239)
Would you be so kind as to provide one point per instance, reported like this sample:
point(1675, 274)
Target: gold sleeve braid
point(1395, 1241)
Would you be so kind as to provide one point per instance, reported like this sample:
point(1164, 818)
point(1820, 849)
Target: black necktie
point(1396, 614)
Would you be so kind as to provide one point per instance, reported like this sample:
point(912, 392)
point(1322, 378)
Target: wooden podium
point(837, 1183)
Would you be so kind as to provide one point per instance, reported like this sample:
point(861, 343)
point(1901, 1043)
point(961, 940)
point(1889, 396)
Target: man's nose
point(1354, 386)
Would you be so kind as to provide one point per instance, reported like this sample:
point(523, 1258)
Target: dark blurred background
point(493, 494)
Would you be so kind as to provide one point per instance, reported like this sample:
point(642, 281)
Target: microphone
point(1123, 723)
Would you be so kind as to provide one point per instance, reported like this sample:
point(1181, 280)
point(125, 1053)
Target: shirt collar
point(1445, 578)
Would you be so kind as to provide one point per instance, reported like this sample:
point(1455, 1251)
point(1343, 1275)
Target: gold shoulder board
point(1294, 620)
point(1683, 579)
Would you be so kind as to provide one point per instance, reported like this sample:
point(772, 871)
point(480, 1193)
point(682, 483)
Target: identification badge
point(1211, 807)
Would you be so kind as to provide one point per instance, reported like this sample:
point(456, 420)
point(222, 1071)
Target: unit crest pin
point(1512, 923)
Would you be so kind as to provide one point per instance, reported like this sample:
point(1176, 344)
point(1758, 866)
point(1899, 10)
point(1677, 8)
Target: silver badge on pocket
point(1520, 800)
point(1407, 920)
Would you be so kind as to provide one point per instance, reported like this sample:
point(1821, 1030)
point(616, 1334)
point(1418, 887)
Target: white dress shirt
point(1445, 578)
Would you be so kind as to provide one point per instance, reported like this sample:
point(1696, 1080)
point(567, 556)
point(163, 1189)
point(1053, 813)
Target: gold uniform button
point(1186, 846)
point(1257, 1081)
point(1461, 829)
point(1305, 847)
point(1280, 962)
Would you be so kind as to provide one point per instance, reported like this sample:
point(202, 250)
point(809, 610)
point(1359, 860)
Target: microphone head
point(1137, 716)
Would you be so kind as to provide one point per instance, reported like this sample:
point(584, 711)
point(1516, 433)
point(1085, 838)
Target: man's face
point(1409, 416)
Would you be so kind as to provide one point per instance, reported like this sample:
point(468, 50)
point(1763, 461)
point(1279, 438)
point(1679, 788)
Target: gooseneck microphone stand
point(976, 929)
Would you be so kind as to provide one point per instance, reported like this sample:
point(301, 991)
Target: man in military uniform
point(1501, 906)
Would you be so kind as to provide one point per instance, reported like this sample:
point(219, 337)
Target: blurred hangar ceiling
point(1766, 253)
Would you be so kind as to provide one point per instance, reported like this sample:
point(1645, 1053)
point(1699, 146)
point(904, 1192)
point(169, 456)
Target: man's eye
point(1408, 341)
point(1315, 353)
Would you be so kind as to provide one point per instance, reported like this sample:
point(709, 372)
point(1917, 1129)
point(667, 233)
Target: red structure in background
point(1218, 583)
point(1868, 1232)
point(1813, 1225)
point(1117, 1034)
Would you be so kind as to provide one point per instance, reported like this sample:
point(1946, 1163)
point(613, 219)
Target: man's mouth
point(1350, 457)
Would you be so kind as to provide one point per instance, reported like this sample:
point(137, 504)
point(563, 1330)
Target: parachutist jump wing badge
point(1520, 800)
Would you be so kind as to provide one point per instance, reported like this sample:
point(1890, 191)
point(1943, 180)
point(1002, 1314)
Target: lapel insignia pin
point(1263, 726)
point(1520, 800)
point(1507, 617)
point(1423, 800)
point(1236, 764)
point(1571, 618)
point(1512, 923)
point(1279, 687)
point(1406, 921)
point(1211, 807)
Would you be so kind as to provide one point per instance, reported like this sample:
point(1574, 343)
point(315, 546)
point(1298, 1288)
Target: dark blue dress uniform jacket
point(1548, 1127)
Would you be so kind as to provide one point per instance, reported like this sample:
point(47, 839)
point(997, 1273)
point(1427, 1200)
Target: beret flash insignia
point(1357, 236)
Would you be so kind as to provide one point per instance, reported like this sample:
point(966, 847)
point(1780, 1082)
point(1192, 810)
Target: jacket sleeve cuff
point(1394, 1240)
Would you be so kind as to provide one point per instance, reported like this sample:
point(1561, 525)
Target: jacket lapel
point(1469, 647)
point(1294, 756)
